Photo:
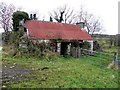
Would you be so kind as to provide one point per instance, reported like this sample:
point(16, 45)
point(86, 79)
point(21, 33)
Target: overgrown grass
point(66, 72)
point(112, 49)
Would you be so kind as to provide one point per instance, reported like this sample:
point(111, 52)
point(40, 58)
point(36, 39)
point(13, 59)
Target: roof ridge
point(54, 22)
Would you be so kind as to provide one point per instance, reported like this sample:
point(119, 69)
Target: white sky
point(107, 10)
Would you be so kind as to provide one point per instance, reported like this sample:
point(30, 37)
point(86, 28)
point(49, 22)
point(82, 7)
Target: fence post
point(115, 56)
point(79, 52)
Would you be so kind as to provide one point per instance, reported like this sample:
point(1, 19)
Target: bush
point(96, 46)
point(49, 55)
point(9, 50)
point(86, 45)
point(22, 45)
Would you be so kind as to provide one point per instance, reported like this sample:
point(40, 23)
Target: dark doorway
point(64, 47)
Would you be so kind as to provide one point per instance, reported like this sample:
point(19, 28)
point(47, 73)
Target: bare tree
point(92, 24)
point(63, 14)
point(6, 12)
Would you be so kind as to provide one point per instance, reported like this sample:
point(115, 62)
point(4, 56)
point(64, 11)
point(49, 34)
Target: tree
point(63, 14)
point(17, 17)
point(6, 12)
point(51, 20)
point(92, 24)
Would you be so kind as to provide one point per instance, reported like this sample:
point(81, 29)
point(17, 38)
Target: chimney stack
point(33, 16)
point(81, 24)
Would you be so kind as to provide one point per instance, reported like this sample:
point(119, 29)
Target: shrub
point(49, 55)
point(86, 45)
point(9, 50)
point(96, 46)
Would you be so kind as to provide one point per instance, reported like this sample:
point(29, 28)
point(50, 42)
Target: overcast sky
point(107, 10)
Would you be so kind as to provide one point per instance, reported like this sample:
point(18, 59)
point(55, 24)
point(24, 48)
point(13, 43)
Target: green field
point(65, 72)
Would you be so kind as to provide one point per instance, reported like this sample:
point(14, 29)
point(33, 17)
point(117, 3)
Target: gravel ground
point(13, 73)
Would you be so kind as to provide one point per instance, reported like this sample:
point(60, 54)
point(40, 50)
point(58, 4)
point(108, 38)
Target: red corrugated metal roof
point(52, 30)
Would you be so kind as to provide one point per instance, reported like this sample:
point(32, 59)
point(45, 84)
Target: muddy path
point(14, 73)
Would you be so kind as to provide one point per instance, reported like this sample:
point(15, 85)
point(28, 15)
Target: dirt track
point(13, 72)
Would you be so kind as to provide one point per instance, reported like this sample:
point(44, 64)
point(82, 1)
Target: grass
point(66, 72)
point(112, 49)
point(105, 43)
